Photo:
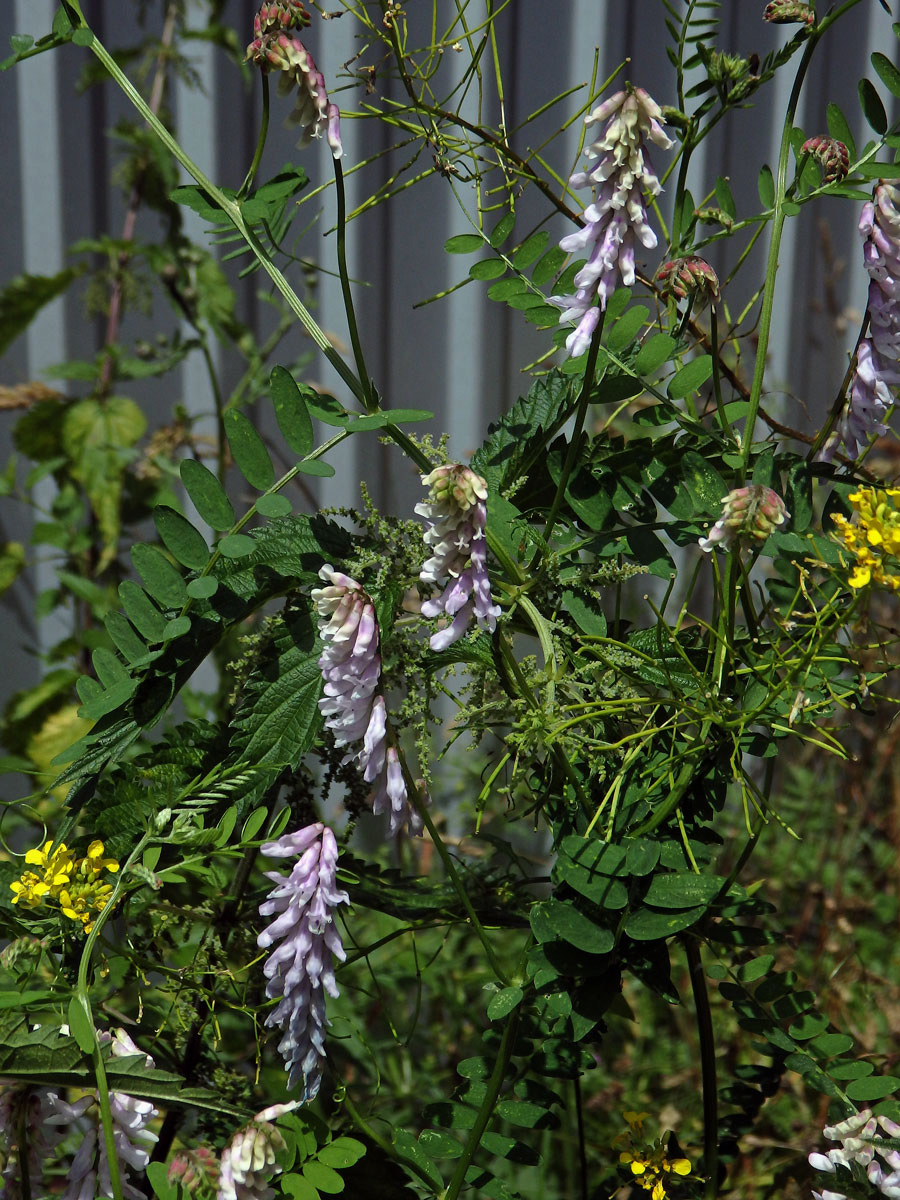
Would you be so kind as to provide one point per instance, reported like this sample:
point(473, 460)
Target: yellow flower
point(650, 1167)
point(74, 884)
point(874, 539)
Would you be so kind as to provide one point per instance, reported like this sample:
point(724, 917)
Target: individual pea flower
point(689, 277)
point(352, 705)
point(752, 512)
point(248, 1161)
point(457, 510)
point(874, 538)
point(877, 372)
point(625, 179)
point(833, 156)
point(789, 12)
point(89, 1174)
point(301, 969)
point(313, 111)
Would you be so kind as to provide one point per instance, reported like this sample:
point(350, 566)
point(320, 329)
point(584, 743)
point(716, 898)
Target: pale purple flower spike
point(300, 971)
point(88, 1175)
point(457, 510)
point(624, 177)
point(878, 356)
point(353, 708)
point(860, 1143)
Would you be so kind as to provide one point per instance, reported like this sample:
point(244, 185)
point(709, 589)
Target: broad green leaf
point(161, 579)
point(400, 416)
point(323, 1178)
point(808, 1026)
point(873, 109)
point(487, 268)
point(203, 587)
point(852, 1069)
point(248, 449)
point(108, 667)
point(141, 611)
point(564, 920)
point(291, 412)
point(530, 249)
point(181, 539)
point(236, 545)
point(124, 637)
point(506, 289)
point(298, 1188)
point(158, 1175)
point(593, 855)
point(503, 1002)
point(542, 315)
point(626, 329)
point(756, 968)
point(274, 504)
point(647, 924)
point(464, 243)
point(586, 613)
point(201, 202)
point(683, 890)
point(690, 377)
point(766, 187)
point(176, 628)
point(24, 297)
point(877, 1088)
point(502, 230)
point(342, 1152)
point(207, 494)
point(526, 1114)
point(108, 701)
point(80, 1025)
point(829, 1044)
point(647, 549)
point(654, 352)
point(641, 856)
point(548, 266)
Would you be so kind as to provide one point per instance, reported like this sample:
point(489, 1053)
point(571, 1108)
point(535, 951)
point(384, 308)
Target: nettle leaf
point(200, 201)
point(291, 412)
point(207, 494)
point(515, 442)
point(278, 714)
point(249, 451)
point(24, 297)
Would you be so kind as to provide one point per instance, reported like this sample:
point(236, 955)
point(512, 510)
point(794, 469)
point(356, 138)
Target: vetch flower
point(300, 970)
point(877, 371)
point(625, 179)
point(248, 1161)
point(313, 112)
point(88, 1175)
point(752, 511)
point(457, 510)
point(353, 708)
point(873, 539)
point(833, 156)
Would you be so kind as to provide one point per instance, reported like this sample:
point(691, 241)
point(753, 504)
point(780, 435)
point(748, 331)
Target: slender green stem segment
point(261, 140)
point(707, 1068)
point(486, 1109)
point(368, 400)
point(83, 999)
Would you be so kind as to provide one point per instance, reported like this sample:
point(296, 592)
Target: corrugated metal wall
point(460, 357)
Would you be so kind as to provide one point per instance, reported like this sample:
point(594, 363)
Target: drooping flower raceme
point(625, 178)
point(860, 1157)
point(275, 49)
point(353, 707)
point(457, 510)
point(248, 1161)
point(752, 512)
point(878, 355)
point(300, 970)
point(88, 1175)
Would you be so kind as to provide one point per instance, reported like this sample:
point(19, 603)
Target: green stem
point(382, 1143)
point(486, 1109)
point(717, 371)
point(83, 999)
point(707, 1068)
point(230, 208)
point(369, 400)
point(261, 140)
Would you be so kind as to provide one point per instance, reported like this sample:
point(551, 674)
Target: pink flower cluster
point(625, 178)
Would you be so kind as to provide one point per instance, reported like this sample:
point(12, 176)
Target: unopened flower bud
point(753, 511)
point(248, 1162)
point(832, 154)
point(194, 1169)
point(688, 277)
point(286, 14)
point(789, 12)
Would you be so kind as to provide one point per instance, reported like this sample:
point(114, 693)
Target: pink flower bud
point(753, 512)
point(689, 277)
point(789, 12)
point(832, 154)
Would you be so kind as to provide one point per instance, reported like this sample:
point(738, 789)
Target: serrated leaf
point(249, 451)
point(291, 412)
point(515, 441)
point(201, 202)
point(24, 297)
point(161, 579)
point(207, 494)
point(180, 538)
point(278, 716)
point(873, 109)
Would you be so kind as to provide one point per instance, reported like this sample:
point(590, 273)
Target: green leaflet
point(249, 451)
point(207, 494)
point(291, 412)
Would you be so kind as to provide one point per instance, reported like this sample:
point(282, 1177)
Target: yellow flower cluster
point(73, 884)
point(874, 539)
point(650, 1167)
